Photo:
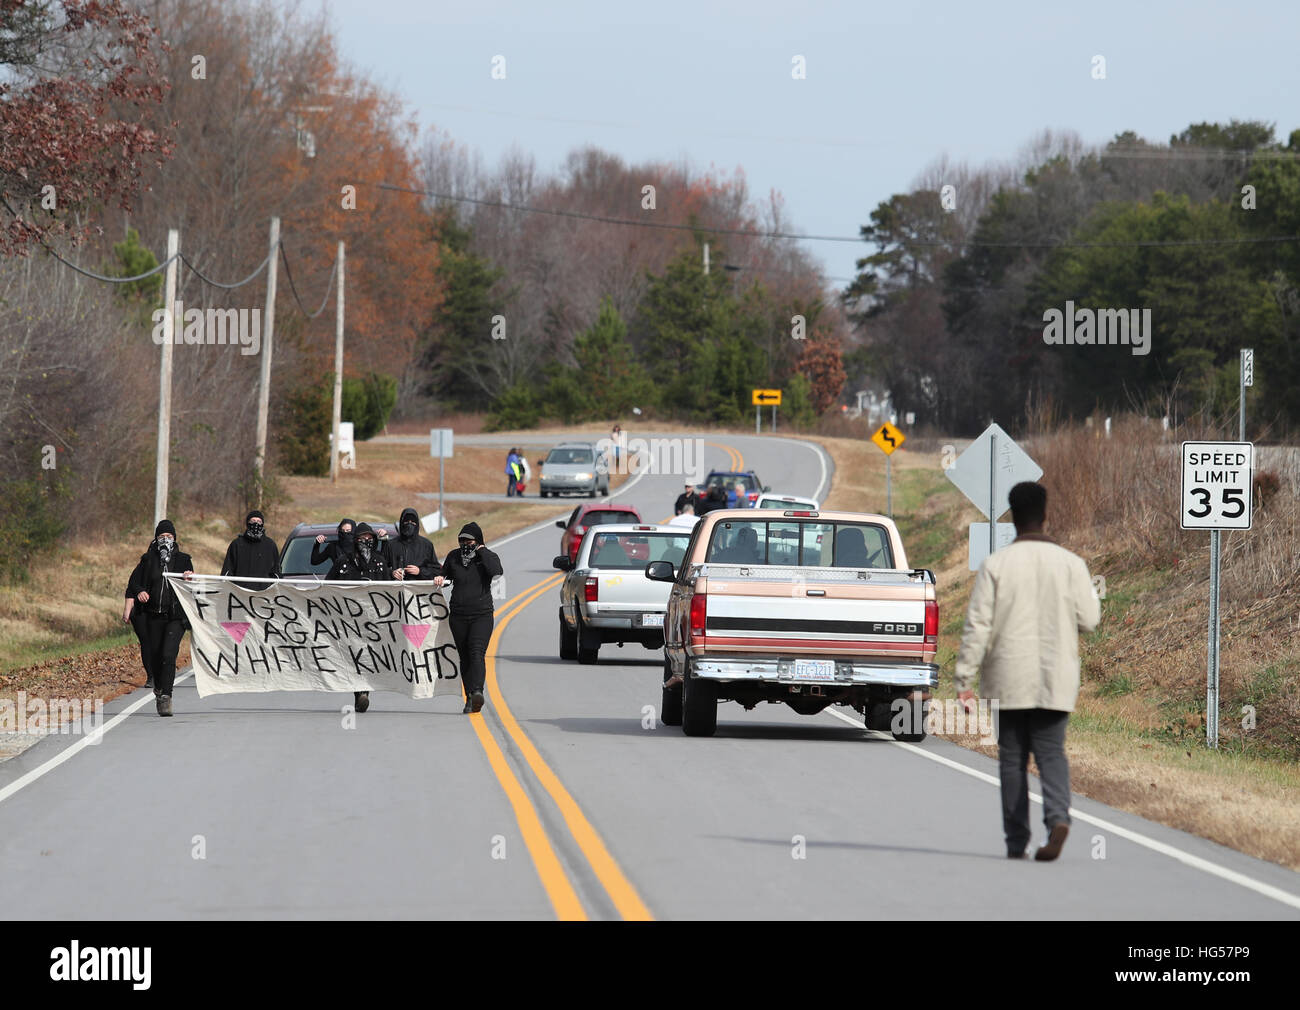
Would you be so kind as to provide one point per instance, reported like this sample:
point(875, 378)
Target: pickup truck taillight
point(575, 541)
point(699, 613)
point(931, 622)
point(591, 591)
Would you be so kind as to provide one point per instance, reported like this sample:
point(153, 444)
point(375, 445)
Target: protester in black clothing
point(135, 616)
point(338, 553)
point(165, 620)
point(367, 564)
point(470, 569)
point(253, 553)
point(411, 556)
point(689, 497)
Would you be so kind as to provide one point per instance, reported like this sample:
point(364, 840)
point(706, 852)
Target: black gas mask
point(254, 531)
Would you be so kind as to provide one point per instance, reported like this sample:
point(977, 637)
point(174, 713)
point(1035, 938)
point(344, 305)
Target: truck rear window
point(634, 550)
point(803, 544)
point(609, 517)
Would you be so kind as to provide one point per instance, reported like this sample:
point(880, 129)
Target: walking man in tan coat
point(1031, 599)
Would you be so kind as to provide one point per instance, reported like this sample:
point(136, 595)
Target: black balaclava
point(164, 547)
point(365, 547)
point(252, 531)
point(408, 525)
point(467, 552)
point(346, 539)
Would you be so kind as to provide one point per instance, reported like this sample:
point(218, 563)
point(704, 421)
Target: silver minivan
point(575, 468)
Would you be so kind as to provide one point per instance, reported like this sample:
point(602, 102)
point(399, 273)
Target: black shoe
point(476, 701)
point(1011, 854)
point(148, 682)
point(362, 699)
point(1055, 840)
point(469, 707)
point(164, 704)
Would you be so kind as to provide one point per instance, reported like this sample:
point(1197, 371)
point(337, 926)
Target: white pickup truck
point(606, 596)
point(802, 607)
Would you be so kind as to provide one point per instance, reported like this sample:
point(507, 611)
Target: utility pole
point(338, 373)
point(706, 259)
point(165, 379)
point(264, 392)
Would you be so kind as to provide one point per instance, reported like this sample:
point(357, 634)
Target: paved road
point(596, 811)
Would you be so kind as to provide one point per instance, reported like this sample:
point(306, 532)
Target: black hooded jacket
point(337, 553)
point(148, 577)
point(412, 550)
point(355, 567)
point(715, 499)
point(472, 596)
point(691, 498)
point(256, 558)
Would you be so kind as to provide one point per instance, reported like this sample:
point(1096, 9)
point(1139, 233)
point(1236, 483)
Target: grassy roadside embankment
point(1137, 737)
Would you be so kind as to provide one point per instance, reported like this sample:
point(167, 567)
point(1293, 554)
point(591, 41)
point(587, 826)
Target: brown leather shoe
point(1055, 841)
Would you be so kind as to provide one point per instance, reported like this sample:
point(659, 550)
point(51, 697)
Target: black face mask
point(408, 530)
point(345, 541)
point(254, 531)
point(365, 546)
point(165, 549)
point(466, 553)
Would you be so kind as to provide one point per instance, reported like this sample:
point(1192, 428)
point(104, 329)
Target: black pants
point(140, 625)
point(471, 635)
point(1039, 731)
point(164, 642)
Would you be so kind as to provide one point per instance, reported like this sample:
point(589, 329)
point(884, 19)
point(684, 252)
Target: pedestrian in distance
point(470, 568)
point(1030, 602)
point(411, 556)
point(737, 496)
point(165, 621)
point(686, 517)
point(689, 497)
point(714, 498)
point(252, 554)
point(512, 476)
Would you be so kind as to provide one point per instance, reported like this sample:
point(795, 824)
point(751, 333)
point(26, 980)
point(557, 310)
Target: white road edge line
point(1196, 862)
point(88, 740)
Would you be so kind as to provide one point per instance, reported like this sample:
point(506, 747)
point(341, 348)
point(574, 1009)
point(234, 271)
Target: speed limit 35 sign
point(1216, 485)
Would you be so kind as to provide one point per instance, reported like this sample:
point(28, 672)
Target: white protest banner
point(301, 635)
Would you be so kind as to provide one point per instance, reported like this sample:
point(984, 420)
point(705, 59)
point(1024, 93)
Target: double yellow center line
point(559, 888)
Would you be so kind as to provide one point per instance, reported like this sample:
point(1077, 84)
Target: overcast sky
point(889, 87)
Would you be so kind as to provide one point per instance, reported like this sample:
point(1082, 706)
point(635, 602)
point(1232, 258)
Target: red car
point(584, 517)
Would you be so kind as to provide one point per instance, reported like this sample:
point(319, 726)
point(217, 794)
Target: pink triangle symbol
point(236, 629)
point(415, 633)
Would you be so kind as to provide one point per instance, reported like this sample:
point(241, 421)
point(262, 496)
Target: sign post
point(761, 397)
point(985, 473)
point(1216, 495)
point(440, 445)
point(1247, 379)
point(889, 438)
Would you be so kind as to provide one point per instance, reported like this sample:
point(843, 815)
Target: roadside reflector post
point(993, 493)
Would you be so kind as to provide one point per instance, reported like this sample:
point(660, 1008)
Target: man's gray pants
point(1039, 731)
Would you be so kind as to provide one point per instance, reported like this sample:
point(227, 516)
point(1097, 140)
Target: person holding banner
point(470, 569)
point(165, 620)
point(368, 564)
point(339, 553)
point(411, 556)
point(253, 554)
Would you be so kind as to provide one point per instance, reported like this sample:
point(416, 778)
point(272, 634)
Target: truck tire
point(670, 709)
point(699, 707)
point(918, 736)
point(568, 641)
point(586, 654)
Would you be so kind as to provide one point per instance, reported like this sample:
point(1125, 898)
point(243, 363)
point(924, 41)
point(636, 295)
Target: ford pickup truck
point(803, 607)
point(606, 596)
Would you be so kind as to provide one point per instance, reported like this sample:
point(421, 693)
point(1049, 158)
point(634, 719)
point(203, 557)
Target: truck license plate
point(652, 620)
point(814, 669)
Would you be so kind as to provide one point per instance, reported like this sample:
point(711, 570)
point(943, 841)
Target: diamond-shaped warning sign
point(888, 438)
point(989, 468)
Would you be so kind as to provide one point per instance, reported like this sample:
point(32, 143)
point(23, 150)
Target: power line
point(293, 287)
point(218, 284)
point(751, 233)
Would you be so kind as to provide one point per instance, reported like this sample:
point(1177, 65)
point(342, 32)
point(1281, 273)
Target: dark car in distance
point(728, 478)
point(584, 517)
